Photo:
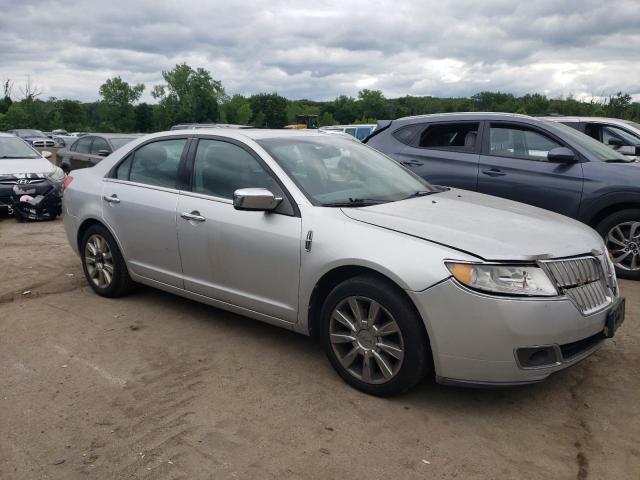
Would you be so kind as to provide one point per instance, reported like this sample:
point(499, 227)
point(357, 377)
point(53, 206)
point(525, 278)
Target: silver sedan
point(398, 278)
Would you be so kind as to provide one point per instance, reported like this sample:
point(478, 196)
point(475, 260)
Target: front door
point(514, 165)
point(139, 204)
point(247, 259)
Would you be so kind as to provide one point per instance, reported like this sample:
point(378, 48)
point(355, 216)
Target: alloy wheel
point(99, 261)
point(623, 241)
point(366, 340)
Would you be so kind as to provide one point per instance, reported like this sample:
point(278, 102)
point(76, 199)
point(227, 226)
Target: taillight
point(67, 182)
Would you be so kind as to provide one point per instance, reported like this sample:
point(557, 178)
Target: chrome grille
point(583, 281)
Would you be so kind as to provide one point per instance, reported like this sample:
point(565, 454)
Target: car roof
point(350, 126)
point(253, 134)
point(115, 135)
point(557, 118)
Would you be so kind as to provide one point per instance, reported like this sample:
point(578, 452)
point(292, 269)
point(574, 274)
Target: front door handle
point(494, 172)
point(112, 199)
point(193, 216)
point(411, 163)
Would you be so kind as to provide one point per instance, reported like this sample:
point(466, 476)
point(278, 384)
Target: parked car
point(64, 140)
point(361, 131)
point(621, 135)
point(35, 138)
point(323, 235)
point(530, 160)
point(188, 126)
point(90, 149)
point(30, 185)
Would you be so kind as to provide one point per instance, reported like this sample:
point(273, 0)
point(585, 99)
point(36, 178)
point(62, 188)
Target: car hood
point(25, 165)
point(485, 226)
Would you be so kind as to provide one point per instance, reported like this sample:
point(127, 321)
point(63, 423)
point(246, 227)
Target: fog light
point(537, 357)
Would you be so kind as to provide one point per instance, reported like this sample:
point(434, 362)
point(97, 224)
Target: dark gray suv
point(530, 160)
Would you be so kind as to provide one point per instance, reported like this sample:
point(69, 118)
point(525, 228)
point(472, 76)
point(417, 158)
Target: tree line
point(191, 95)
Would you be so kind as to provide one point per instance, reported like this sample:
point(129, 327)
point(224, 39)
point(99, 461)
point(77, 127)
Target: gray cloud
point(327, 48)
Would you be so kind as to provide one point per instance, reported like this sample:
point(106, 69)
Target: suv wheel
point(103, 265)
point(621, 233)
point(374, 337)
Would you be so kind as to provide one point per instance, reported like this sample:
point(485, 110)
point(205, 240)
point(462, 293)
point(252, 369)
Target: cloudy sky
point(322, 49)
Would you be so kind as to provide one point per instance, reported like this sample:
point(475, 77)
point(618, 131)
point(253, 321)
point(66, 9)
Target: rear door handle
point(494, 172)
point(193, 216)
point(112, 199)
point(411, 163)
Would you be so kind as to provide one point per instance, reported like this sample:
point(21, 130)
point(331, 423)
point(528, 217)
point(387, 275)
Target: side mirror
point(561, 155)
point(46, 153)
point(615, 142)
point(104, 153)
point(255, 199)
point(632, 150)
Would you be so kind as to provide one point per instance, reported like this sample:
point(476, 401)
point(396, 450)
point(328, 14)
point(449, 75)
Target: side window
point(363, 132)
point(450, 136)
point(593, 130)
point(157, 163)
point(221, 168)
point(520, 143)
point(98, 144)
point(609, 132)
point(122, 172)
point(83, 144)
point(350, 131)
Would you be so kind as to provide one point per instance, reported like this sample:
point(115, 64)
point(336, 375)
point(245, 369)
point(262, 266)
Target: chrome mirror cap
point(255, 199)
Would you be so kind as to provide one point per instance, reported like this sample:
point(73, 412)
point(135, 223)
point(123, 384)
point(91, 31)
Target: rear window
point(119, 142)
point(450, 136)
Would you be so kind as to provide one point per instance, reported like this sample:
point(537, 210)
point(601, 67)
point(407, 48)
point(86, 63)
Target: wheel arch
point(604, 212)
point(330, 279)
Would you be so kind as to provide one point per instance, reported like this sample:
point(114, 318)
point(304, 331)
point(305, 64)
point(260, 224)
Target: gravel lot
point(156, 386)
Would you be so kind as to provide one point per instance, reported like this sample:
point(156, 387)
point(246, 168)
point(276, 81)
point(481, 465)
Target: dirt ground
point(156, 386)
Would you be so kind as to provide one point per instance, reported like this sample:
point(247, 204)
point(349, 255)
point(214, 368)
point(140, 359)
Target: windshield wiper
point(13, 157)
point(422, 193)
point(618, 160)
point(355, 202)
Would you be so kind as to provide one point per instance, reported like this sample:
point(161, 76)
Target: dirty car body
point(326, 236)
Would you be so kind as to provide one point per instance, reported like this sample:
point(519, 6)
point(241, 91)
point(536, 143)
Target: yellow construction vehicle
point(303, 121)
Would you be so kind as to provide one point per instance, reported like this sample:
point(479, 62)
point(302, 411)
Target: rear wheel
point(103, 265)
point(374, 337)
point(621, 233)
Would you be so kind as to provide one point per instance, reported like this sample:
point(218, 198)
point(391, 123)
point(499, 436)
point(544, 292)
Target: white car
point(359, 131)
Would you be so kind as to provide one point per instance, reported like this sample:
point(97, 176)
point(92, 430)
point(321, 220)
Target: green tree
point(269, 110)
point(16, 116)
point(189, 95)
point(618, 105)
point(326, 119)
point(118, 96)
point(237, 110)
point(144, 118)
point(372, 104)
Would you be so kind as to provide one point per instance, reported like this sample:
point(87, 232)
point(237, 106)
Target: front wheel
point(374, 337)
point(621, 233)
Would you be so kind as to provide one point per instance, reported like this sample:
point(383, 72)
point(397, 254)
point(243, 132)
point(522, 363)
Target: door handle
point(112, 199)
point(411, 163)
point(193, 216)
point(494, 172)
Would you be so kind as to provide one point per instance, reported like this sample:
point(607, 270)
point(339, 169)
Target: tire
point(627, 236)
point(340, 338)
point(65, 168)
point(107, 282)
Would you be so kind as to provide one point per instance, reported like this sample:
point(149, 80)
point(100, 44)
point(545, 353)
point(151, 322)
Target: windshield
point(13, 147)
point(598, 151)
point(30, 133)
point(333, 171)
point(119, 142)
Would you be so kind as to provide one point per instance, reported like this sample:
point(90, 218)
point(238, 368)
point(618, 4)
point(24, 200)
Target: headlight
point(57, 175)
point(504, 279)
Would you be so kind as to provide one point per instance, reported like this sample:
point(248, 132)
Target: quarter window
point(83, 144)
point(363, 132)
point(221, 168)
point(520, 143)
point(157, 163)
point(609, 132)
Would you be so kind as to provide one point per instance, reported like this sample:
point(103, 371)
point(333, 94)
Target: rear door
point(514, 165)
point(139, 205)
point(80, 156)
point(444, 153)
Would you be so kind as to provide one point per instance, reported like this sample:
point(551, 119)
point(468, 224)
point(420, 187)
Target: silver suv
point(325, 236)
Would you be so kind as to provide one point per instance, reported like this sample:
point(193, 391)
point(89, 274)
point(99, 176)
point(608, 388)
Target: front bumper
point(474, 337)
